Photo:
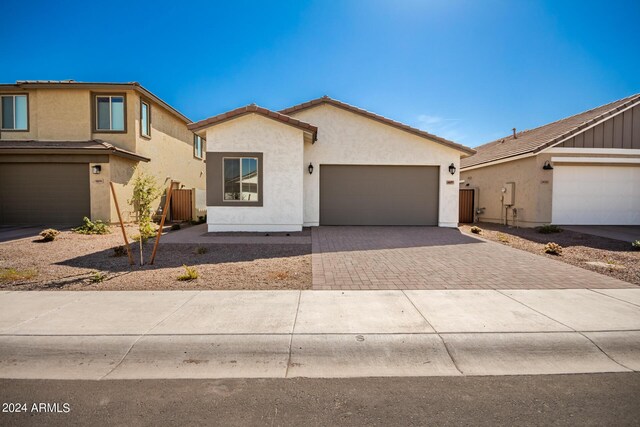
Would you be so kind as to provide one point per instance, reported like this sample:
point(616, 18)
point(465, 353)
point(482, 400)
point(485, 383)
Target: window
point(197, 146)
point(145, 121)
point(14, 112)
point(110, 113)
point(241, 179)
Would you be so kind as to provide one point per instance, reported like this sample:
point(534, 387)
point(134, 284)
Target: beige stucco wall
point(283, 168)
point(66, 115)
point(348, 138)
point(533, 187)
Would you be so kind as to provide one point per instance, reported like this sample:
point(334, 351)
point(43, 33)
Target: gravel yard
point(610, 257)
point(79, 262)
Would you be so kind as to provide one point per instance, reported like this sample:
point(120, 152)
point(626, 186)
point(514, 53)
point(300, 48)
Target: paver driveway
point(435, 258)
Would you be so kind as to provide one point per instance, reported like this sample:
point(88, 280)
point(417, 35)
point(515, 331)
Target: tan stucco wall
point(348, 138)
point(66, 115)
point(533, 186)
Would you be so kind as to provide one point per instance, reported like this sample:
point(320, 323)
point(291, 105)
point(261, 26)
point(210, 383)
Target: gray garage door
point(44, 193)
point(378, 195)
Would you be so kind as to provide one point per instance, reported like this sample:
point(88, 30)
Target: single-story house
point(581, 170)
point(325, 162)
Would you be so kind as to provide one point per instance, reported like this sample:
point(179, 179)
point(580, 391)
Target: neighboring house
point(582, 170)
point(62, 142)
point(325, 162)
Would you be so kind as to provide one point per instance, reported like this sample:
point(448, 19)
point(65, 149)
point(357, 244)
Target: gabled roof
point(94, 146)
point(72, 84)
point(378, 118)
point(253, 109)
point(537, 139)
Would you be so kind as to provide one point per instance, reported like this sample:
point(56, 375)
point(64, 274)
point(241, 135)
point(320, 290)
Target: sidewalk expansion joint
point(615, 298)
point(293, 329)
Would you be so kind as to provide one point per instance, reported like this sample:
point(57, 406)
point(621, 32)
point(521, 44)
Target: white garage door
point(596, 195)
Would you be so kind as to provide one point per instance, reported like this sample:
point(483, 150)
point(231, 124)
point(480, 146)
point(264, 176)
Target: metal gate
point(466, 206)
point(181, 205)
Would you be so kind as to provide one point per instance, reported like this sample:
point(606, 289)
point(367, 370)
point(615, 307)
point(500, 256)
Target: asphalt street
point(581, 399)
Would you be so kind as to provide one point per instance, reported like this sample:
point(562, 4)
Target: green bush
point(91, 227)
point(119, 251)
point(49, 235)
point(476, 230)
point(548, 229)
point(553, 248)
point(636, 245)
point(190, 273)
point(98, 277)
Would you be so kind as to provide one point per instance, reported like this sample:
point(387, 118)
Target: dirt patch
point(72, 261)
point(610, 257)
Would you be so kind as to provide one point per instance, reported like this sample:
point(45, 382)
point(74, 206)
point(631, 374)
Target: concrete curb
point(316, 355)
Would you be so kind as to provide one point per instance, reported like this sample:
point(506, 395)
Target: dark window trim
point(202, 142)
point(94, 112)
point(215, 179)
point(28, 113)
point(148, 104)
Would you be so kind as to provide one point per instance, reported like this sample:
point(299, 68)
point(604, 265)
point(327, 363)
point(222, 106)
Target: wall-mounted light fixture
point(547, 165)
point(310, 168)
point(452, 169)
point(96, 169)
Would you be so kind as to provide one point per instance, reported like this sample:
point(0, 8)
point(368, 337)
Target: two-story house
point(63, 142)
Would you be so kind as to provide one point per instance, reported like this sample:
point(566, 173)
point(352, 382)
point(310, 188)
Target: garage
point(44, 193)
point(596, 195)
point(378, 195)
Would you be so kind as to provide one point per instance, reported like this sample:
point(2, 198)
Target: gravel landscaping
point(610, 257)
point(79, 262)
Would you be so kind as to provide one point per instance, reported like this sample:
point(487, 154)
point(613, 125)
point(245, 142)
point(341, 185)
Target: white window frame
point(124, 113)
point(148, 123)
point(14, 113)
point(257, 180)
point(197, 155)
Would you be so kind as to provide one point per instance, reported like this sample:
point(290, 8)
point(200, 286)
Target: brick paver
point(435, 258)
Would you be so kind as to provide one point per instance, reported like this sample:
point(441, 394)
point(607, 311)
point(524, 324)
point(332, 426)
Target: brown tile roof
point(537, 139)
point(74, 147)
point(72, 84)
point(376, 117)
point(253, 109)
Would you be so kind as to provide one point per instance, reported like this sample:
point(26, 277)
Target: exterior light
point(310, 168)
point(452, 169)
point(96, 169)
point(547, 165)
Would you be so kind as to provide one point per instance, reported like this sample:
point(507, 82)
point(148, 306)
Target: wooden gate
point(466, 206)
point(181, 205)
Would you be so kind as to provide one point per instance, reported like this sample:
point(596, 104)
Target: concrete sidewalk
point(277, 334)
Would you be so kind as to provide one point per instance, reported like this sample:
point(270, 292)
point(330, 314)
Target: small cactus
point(553, 248)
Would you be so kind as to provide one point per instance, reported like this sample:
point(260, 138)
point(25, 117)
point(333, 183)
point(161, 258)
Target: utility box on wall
point(509, 194)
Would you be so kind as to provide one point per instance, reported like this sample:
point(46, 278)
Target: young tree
point(145, 192)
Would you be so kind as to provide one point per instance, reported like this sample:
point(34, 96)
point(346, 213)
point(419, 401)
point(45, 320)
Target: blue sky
point(467, 70)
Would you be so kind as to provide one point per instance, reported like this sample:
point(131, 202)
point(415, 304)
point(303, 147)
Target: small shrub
point(190, 273)
point(13, 274)
point(502, 238)
point(476, 230)
point(91, 227)
point(137, 237)
point(49, 235)
point(119, 251)
point(548, 229)
point(635, 245)
point(200, 250)
point(553, 248)
point(175, 227)
point(98, 277)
